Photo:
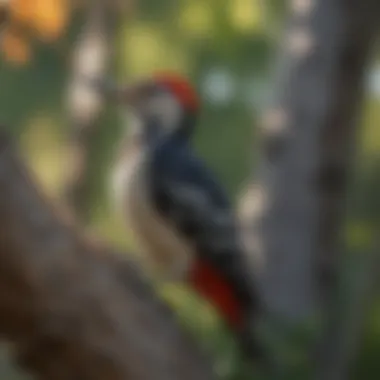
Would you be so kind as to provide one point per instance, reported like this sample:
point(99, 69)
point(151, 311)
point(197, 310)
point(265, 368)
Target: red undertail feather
point(211, 285)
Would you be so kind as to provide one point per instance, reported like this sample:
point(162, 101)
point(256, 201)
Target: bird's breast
point(165, 252)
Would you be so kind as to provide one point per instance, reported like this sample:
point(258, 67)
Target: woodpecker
point(173, 203)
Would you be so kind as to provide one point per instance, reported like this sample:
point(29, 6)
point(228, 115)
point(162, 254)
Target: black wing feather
point(188, 196)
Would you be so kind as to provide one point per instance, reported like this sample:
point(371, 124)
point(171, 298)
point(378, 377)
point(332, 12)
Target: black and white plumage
point(177, 210)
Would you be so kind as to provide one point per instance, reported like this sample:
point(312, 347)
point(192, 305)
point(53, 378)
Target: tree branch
point(72, 308)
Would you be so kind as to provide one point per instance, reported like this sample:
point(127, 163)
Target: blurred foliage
point(225, 47)
point(29, 19)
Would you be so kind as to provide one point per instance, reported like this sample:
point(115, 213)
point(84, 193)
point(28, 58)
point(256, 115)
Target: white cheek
point(167, 109)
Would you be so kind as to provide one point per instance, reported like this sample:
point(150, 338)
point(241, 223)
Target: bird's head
point(164, 104)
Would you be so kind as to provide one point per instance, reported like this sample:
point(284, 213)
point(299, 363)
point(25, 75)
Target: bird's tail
point(249, 344)
point(253, 347)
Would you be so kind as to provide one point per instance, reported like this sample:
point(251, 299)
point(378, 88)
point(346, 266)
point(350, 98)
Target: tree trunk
point(297, 202)
point(342, 337)
point(72, 308)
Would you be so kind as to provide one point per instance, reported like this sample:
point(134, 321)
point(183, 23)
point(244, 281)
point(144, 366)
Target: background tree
point(93, 57)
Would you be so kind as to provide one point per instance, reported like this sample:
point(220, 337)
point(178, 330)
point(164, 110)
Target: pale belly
point(164, 253)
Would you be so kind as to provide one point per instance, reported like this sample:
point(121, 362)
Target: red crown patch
point(181, 88)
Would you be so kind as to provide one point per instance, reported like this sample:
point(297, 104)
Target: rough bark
point(296, 204)
point(343, 334)
point(92, 58)
point(72, 308)
point(358, 288)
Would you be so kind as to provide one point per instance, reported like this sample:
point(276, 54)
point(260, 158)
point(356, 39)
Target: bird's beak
point(127, 94)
